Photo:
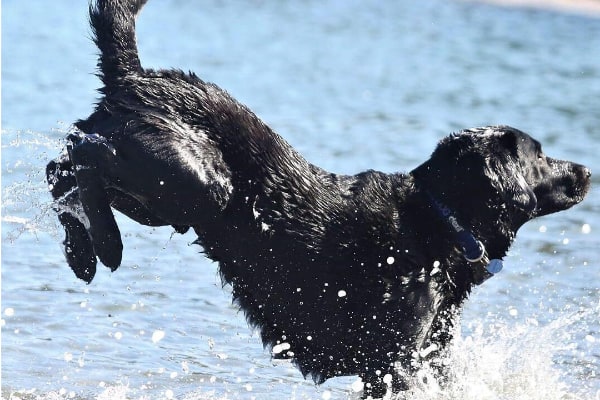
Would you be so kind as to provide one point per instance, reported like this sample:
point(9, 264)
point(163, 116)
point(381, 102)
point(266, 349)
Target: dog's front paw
point(78, 248)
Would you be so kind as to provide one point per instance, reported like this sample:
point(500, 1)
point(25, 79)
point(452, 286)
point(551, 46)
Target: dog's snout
point(582, 172)
point(587, 173)
point(582, 177)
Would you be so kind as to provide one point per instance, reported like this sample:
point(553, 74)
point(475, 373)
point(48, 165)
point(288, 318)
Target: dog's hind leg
point(90, 154)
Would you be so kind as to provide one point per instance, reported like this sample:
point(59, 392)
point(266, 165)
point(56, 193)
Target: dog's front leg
point(78, 248)
point(91, 155)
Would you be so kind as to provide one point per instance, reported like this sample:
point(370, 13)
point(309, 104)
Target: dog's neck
point(472, 249)
point(453, 231)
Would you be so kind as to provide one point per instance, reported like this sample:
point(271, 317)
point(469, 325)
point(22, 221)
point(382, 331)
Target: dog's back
point(292, 239)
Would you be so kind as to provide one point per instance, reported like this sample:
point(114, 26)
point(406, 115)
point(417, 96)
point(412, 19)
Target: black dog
point(346, 275)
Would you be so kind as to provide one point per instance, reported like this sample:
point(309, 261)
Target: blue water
point(352, 85)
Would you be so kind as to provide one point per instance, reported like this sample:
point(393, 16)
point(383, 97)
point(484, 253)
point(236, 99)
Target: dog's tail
point(113, 26)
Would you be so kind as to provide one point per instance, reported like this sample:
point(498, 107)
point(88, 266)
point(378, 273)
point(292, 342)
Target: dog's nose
point(582, 171)
point(585, 173)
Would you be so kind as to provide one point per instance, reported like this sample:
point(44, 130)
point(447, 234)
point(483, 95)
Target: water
point(352, 85)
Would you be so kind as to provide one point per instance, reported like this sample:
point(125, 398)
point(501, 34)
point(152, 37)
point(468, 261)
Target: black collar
point(472, 249)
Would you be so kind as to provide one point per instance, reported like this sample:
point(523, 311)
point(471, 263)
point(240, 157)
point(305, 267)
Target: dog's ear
point(466, 169)
point(455, 173)
point(507, 178)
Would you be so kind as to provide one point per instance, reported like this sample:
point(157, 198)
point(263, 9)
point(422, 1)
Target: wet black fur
point(339, 267)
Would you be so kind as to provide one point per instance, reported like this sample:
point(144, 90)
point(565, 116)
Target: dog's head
point(503, 169)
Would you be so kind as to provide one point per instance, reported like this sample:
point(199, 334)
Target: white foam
point(504, 360)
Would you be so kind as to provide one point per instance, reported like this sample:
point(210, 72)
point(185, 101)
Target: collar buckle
point(473, 250)
point(475, 258)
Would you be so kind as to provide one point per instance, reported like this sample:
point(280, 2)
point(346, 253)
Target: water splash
point(26, 203)
point(506, 360)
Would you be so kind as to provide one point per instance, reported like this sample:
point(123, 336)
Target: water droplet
point(387, 379)
point(278, 348)
point(357, 386)
point(590, 338)
point(157, 336)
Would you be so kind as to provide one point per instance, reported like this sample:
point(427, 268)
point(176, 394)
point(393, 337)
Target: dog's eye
point(541, 156)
